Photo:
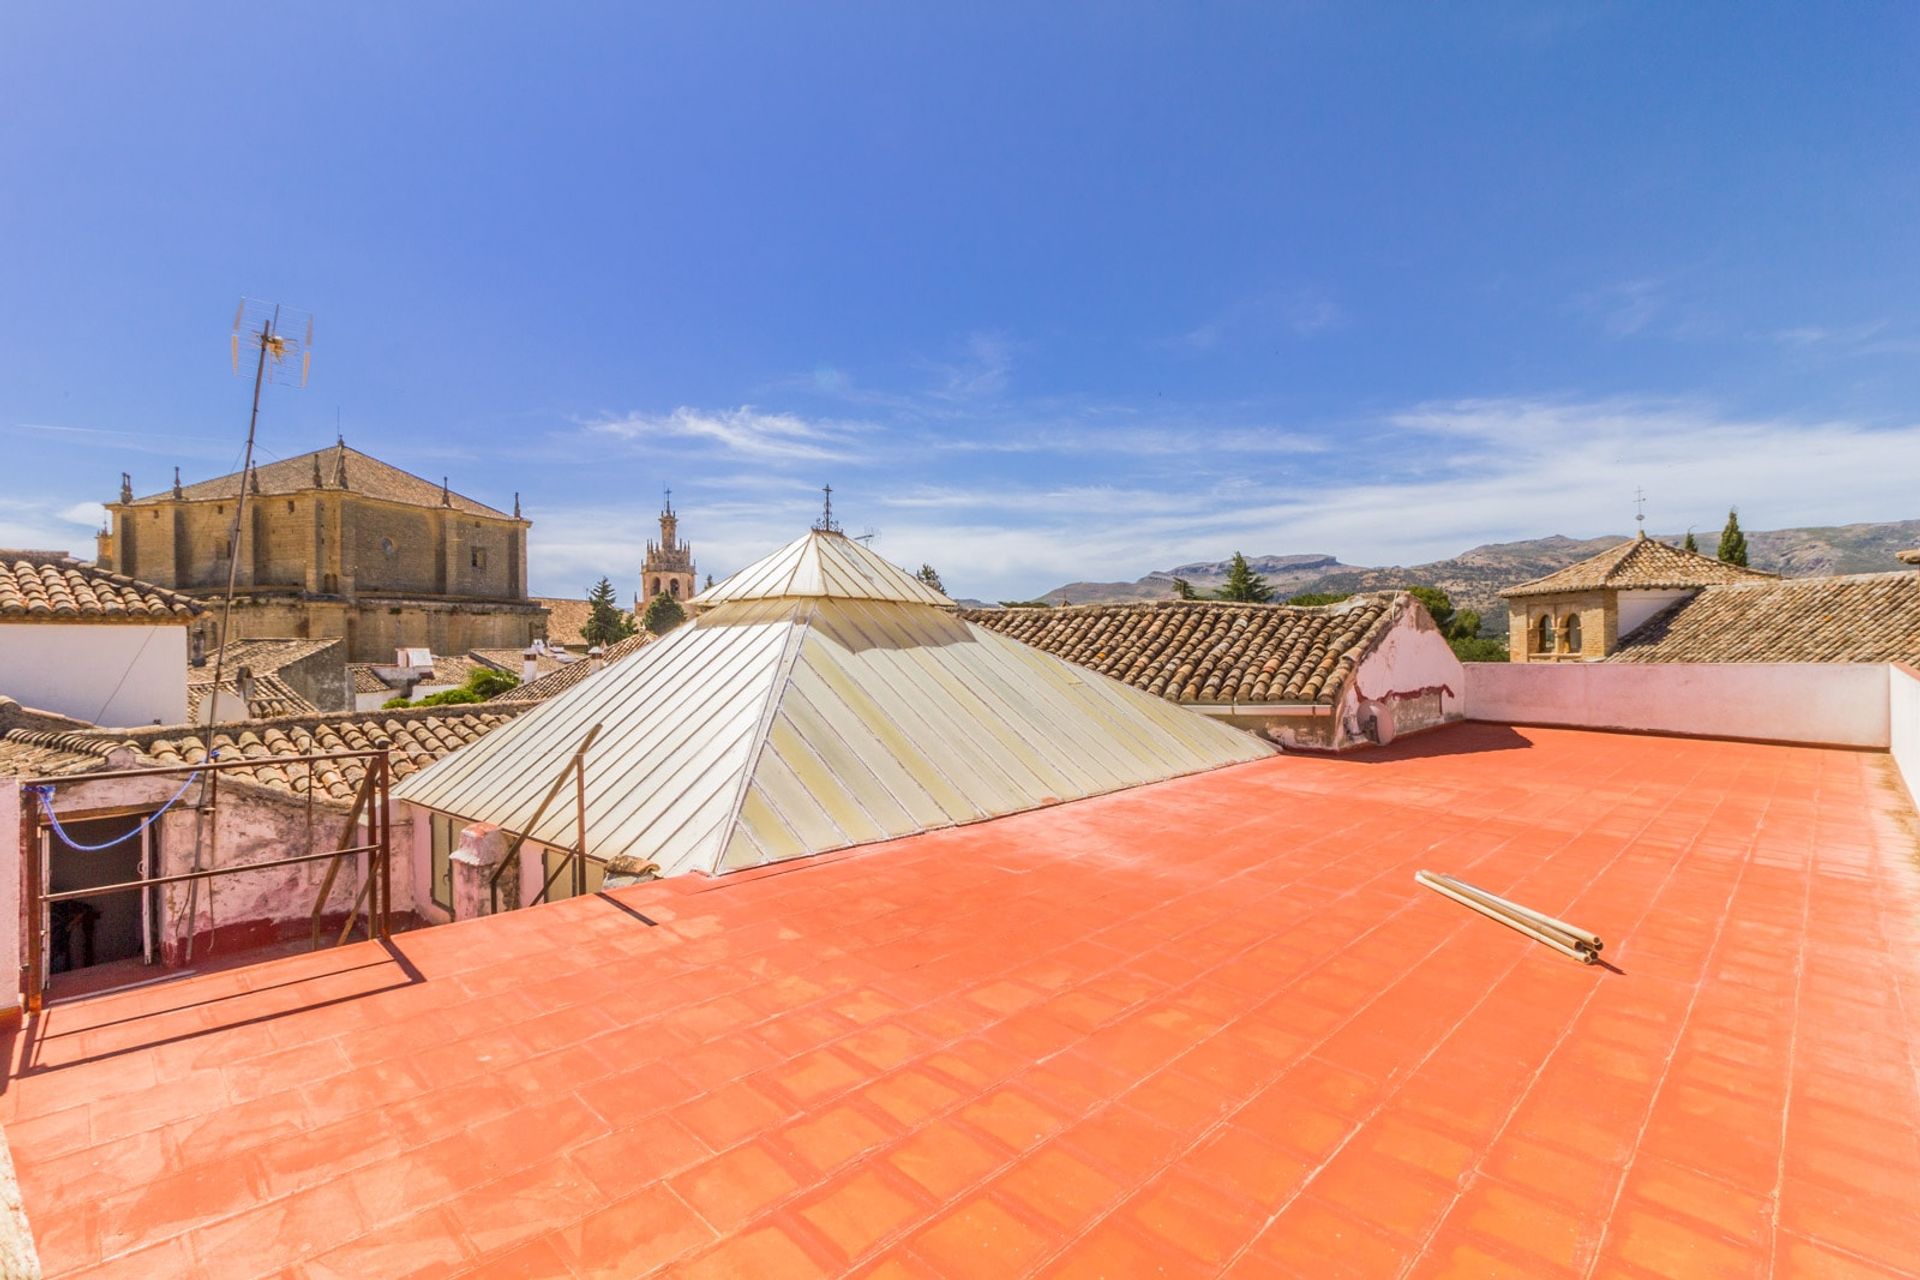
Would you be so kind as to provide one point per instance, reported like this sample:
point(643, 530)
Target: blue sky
point(1044, 291)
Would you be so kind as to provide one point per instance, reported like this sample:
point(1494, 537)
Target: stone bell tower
point(669, 563)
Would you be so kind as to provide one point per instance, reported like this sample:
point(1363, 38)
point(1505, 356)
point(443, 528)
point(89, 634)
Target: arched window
point(673, 585)
point(1572, 632)
point(656, 587)
point(1543, 634)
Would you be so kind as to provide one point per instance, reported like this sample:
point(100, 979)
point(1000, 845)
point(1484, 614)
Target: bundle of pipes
point(1567, 939)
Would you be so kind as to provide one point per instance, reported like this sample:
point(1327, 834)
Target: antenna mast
point(281, 342)
point(1640, 510)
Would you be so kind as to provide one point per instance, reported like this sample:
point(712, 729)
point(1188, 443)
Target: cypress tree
point(1733, 543)
point(1690, 544)
point(606, 623)
point(931, 576)
point(1243, 584)
point(1182, 589)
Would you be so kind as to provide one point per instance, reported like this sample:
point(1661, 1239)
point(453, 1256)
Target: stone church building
point(337, 543)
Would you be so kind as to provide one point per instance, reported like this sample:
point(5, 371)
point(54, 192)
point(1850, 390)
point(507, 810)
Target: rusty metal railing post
point(32, 974)
point(386, 843)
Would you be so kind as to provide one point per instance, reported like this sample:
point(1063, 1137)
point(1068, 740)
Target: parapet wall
point(1903, 708)
point(1824, 704)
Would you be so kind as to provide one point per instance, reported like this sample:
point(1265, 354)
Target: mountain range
point(1474, 579)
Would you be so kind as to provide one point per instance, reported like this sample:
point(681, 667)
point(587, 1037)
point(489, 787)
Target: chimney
point(597, 656)
point(529, 665)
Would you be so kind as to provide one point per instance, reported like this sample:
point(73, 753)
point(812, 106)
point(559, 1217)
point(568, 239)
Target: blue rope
point(53, 819)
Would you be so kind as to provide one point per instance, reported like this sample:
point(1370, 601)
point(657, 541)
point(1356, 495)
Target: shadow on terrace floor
point(1460, 739)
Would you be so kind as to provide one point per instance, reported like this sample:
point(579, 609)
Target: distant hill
point(1475, 578)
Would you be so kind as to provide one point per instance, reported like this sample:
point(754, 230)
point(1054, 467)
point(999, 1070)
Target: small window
point(1543, 634)
point(477, 557)
point(222, 548)
point(656, 587)
point(674, 586)
point(387, 548)
point(1572, 632)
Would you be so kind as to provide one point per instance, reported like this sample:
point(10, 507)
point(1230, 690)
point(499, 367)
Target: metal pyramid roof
point(821, 564)
point(768, 729)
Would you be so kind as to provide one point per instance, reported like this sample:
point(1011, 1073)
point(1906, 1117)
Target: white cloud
point(747, 432)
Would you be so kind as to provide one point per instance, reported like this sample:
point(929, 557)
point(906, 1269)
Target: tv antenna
point(866, 539)
point(1640, 509)
point(281, 341)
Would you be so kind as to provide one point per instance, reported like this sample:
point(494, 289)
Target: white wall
point(1832, 704)
point(122, 675)
point(1903, 705)
point(1637, 606)
point(11, 871)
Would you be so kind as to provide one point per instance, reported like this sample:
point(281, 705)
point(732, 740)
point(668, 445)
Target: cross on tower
point(827, 524)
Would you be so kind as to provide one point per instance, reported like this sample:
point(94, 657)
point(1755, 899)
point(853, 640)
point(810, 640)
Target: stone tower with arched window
point(1581, 613)
point(669, 564)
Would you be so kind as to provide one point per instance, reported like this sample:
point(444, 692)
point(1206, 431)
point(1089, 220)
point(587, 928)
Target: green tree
point(663, 614)
point(709, 581)
point(1312, 599)
point(1733, 543)
point(1182, 589)
point(1243, 584)
point(1691, 544)
point(1480, 649)
point(929, 575)
point(606, 623)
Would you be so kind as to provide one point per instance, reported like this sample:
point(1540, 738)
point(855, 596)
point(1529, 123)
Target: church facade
point(336, 543)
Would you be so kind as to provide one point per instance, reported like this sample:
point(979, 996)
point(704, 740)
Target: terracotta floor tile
point(633, 1235)
point(1104, 1038)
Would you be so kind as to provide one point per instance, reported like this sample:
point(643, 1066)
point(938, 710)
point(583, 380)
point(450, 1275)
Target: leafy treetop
point(606, 622)
point(929, 575)
point(663, 614)
point(1243, 584)
point(1733, 543)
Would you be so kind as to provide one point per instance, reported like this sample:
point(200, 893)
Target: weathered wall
point(322, 678)
point(117, 674)
point(1414, 671)
point(1832, 704)
point(1903, 714)
point(374, 627)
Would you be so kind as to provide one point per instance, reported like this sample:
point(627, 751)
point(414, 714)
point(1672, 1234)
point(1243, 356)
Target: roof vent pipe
point(529, 665)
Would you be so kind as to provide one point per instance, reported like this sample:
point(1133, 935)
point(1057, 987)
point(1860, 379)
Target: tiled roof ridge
point(558, 681)
point(1679, 568)
point(282, 652)
point(229, 485)
point(1859, 617)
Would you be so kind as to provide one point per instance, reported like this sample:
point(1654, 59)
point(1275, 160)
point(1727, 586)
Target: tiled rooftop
point(51, 586)
point(1207, 650)
point(334, 467)
point(1642, 563)
point(1201, 1027)
point(272, 695)
point(1862, 617)
point(564, 678)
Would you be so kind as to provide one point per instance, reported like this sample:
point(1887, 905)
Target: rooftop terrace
point(1204, 1025)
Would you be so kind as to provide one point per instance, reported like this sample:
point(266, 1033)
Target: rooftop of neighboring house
point(334, 467)
point(564, 678)
point(417, 736)
point(52, 586)
point(1207, 1025)
point(1864, 617)
point(1639, 563)
point(565, 617)
point(1210, 651)
point(548, 658)
point(263, 659)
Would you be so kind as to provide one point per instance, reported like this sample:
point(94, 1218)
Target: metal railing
point(370, 803)
point(575, 859)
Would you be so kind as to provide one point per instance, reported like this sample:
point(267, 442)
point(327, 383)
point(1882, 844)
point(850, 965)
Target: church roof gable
point(365, 474)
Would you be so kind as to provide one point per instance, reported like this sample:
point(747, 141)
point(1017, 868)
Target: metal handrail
point(577, 767)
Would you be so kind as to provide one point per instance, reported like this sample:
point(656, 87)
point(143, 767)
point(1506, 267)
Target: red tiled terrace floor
point(1201, 1027)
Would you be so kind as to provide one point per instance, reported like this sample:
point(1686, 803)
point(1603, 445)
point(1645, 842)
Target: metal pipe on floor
point(1582, 937)
point(1517, 923)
